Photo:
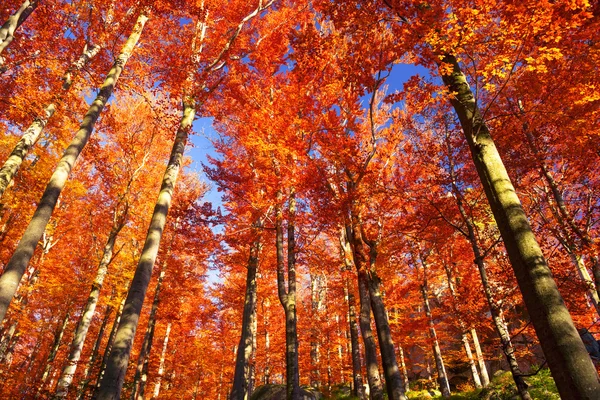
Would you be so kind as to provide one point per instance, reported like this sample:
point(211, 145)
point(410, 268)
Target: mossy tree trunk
point(569, 362)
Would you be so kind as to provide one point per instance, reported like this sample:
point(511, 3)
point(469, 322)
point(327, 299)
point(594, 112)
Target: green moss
point(502, 387)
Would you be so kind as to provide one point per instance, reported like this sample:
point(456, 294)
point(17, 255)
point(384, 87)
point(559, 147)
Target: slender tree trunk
point(571, 367)
point(287, 296)
point(437, 352)
point(241, 385)
point(141, 374)
point(32, 134)
point(358, 389)
point(266, 321)
point(112, 382)
point(94, 356)
point(393, 380)
point(315, 375)
point(373, 377)
point(485, 379)
point(495, 309)
point(85, 321)
point(7, 31)
point(161, 368)
point(566, 222)
point(403, 367)
point(360, 260)
point(58, 335)
point(20, 259)
point(461, 324)
point(108, 348)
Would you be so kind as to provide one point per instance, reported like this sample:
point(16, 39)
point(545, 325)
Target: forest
point(299, 199)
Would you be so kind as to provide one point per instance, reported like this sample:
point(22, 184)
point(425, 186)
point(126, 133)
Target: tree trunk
point(32, 134)
point(107, 349)
point(485, 379)
point(461, 324)
point(287, 296)
point(22, 255)
point(315, 375)
point(569, 362)
point(161, 368)
point(437, 352)
point(358, 389)
point(373, 377)
point(403, 367)
point(360, 260)
point(87, 315)
point(241, 384)
point(58, 335)
point(94, 356)
point(495, 309)
point(112, 382)
point(7, 31)
point(141, 374)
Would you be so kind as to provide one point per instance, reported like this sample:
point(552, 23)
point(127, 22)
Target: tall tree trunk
point(141, 374)
point(95, 351)
point(315, 375)
point(461, 324)
point(571, 367)
point(22, 255)
point(7, 31)
point(161, 368)
point(112, 382)
point(241, 384)
point(485, 378)
point(89, 310)
point(437, 352)
point(495, 310)
point(360, 261)
point(287, 296)
point(58, 335)
point(266, 322)
point(358, 388)
point(403, 368)
point(107, 349)
point(33, 132)
point(393, 380)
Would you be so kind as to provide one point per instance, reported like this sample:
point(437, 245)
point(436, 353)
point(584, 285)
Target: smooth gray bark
point(33, 132)
point(112, 381)
point(21, 257)
point(569, 362)
point(7, 31)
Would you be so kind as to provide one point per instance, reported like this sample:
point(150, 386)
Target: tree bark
point(287, 296)
point(22, 255)
point(161, 368)
point(112, 382)
point(360, 261)
point(7, 31)
point(241, 384)
point(107, 350)
point(94, 356)
point(393, 380)
point(495, 309)
point(58, 335)
point(358, 388)
point(89, 310)
point(485, 379)
point(33, 132)
point(437, 352)
point(569, 362)
point(461, 324)
point(141, 374)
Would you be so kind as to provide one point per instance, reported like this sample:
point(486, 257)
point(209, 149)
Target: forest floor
point(502, 387)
